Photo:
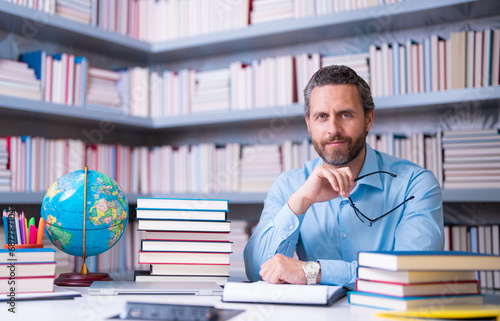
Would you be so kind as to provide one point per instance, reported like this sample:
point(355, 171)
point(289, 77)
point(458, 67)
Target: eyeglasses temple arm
point(383, 172)
point(378, 218)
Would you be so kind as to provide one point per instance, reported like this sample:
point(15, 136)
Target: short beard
point(338, 158)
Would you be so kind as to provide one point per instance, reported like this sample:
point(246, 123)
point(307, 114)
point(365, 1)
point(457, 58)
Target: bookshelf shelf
point(19, 107)
point(357, 23)
point(415, 102)
point(450, 195)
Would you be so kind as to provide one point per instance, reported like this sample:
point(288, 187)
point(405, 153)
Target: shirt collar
point(370, 165)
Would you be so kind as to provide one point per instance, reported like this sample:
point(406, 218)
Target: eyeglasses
point(362, 217)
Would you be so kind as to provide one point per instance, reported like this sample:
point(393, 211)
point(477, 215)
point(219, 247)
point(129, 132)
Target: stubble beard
point(340, 156)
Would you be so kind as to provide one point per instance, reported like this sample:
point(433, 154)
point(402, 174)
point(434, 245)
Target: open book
point(264, 292)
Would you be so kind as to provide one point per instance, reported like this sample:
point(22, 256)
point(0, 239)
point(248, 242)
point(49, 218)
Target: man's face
point(337, 123)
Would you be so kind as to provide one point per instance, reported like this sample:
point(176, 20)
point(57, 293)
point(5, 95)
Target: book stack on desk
point(186, 240)
point(405, 280)
point(27, 270)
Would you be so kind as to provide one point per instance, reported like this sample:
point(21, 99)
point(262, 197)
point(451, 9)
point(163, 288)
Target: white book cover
point(471, 44)
point(373, 69)
point(434, 42)
point(478, 59)
point(421, 68)
point(495, 250)
point(402, 70)
point(380, 74)
point(486, 81)
point(442, 65)
point(449, 64)
point(495, 58)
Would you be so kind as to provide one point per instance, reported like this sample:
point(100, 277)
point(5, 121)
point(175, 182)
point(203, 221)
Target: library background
point(203, 99)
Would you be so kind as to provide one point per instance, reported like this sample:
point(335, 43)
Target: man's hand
point(283, 269)
point(325, 183)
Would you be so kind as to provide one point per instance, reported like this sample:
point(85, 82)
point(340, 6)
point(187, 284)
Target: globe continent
point(106, 207)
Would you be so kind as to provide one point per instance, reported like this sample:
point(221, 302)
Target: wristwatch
point(311, 269)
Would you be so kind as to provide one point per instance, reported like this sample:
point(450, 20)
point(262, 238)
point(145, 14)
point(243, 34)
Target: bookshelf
point(396, 16)
point(359, 24)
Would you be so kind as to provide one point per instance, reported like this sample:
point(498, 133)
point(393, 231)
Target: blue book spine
point(57, 57)
point(83, 88)
point(6, 226)
point(427, 65)
point(112, 162)
point(474, 246)
point(36, 61)
point(395, 68)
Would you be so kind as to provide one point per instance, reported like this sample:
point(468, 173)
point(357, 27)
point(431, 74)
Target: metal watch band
point(311, 280)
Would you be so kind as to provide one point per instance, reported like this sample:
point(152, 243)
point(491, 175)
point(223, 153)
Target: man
point(351, 199)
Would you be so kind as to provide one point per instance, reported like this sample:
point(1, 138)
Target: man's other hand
point(283, 269)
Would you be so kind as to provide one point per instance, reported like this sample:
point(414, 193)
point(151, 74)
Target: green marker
point(31, 222)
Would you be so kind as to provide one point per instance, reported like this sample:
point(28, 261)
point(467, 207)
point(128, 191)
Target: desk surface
point(96, 308)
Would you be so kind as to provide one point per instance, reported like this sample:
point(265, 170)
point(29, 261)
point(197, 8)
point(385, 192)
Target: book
point(27, 255)
point(182, 235)
point(21, 269)
point(145, 276)
point(27, 284)
point(150, 213)
point(403, 304)
point(467, 312)
point(418, 289)
point(183, 225)
point(183, 257)
point(264, 292)
point(183, 203)
point(367, 273)
point(186, 246)
point(189, 269)
point(428, 260)
point(57, 294)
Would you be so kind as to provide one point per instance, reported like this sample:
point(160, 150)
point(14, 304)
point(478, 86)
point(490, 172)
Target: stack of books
point(27, 270)
point(84, 11)
point(270, 10)
point(19, 80)
point(358, 62)
point(211, 91)
point(102, 88)
point(5, 173)
point(186, 240)
point(404, 280)
point(471, 158)
point(260, 165)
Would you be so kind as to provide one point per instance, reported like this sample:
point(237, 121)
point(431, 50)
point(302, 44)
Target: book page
point(278, 293)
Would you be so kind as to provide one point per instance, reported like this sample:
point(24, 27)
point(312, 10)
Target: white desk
point(96, 308)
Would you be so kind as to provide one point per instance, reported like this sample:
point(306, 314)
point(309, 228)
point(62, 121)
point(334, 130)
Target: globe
point(106, 213)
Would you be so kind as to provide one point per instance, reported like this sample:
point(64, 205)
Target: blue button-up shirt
point(331, 233)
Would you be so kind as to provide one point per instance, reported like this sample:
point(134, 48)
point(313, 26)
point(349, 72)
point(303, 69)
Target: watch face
point(311, 267)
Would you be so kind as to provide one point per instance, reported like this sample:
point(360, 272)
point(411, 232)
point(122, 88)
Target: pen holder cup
point(24, 246)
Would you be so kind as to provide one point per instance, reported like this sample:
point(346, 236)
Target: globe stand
point(84, 278)
point(78, 279)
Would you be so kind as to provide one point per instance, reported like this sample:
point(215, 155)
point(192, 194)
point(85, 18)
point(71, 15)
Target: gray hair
point(339, 75)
